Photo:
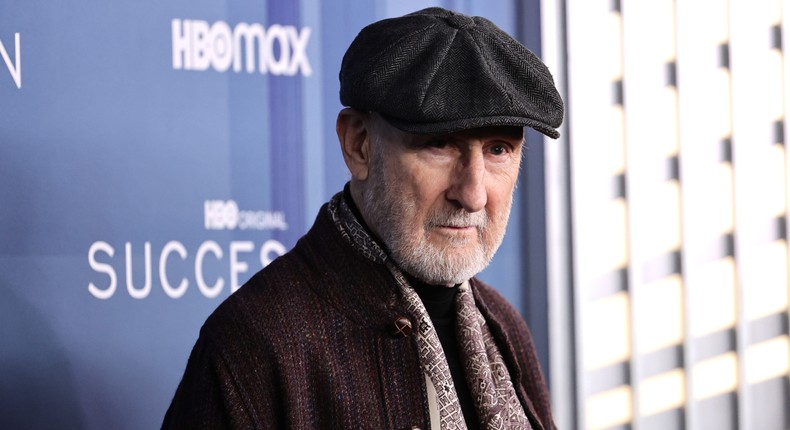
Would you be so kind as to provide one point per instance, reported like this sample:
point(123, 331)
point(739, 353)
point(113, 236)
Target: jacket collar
point(351, 278)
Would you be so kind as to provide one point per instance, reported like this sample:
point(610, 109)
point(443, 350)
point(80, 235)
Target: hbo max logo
point(277, 50)
point(225, 215)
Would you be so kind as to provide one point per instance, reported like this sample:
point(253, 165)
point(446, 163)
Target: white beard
point(391, 214)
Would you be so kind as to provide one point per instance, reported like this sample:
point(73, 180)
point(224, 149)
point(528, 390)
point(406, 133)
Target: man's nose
point(468, 183)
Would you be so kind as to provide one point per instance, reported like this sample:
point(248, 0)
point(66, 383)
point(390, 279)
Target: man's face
point(441, 202)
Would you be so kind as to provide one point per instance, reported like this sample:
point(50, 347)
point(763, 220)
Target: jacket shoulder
point(266, 301)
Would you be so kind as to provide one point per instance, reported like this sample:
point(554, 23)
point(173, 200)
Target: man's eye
point(498, 149)
point(438, 144)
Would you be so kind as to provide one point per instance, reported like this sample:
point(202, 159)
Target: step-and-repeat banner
point(153, 156)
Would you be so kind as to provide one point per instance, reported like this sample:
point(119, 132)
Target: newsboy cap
point(438, 71)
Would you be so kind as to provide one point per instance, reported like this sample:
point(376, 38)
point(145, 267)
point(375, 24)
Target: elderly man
point(375, 320)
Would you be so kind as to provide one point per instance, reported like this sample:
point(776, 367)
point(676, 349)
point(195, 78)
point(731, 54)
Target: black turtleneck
point(439, 301)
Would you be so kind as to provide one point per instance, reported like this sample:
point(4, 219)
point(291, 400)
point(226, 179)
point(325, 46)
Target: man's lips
point(457, 223)
point(456, 228)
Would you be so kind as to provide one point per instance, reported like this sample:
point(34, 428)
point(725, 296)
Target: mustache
point(457, 218)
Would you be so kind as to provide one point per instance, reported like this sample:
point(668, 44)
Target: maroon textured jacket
point(307, 343)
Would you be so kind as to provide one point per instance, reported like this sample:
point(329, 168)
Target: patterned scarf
point(496, 403)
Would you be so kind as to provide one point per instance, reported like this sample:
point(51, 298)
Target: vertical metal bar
point(597, 213)
point(750, 137)
point(684, 169)
point(686, 160)
point(653, 203)
point(689, 414)
point(633, 188)
point(756, 122)
point(703, 59)
point(785, 42)
point(533, 204)
point(559, 230)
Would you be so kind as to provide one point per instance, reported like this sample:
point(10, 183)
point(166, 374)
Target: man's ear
point(353, 133)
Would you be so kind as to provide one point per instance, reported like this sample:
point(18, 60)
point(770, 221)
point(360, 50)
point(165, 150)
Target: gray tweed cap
point(438, 71)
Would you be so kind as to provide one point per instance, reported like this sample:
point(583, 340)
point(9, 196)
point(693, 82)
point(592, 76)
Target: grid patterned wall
point(677, 215)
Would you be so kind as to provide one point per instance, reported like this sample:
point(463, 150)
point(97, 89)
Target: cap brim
point(470, 123)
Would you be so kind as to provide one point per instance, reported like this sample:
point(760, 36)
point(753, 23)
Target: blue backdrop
point(153, 156)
